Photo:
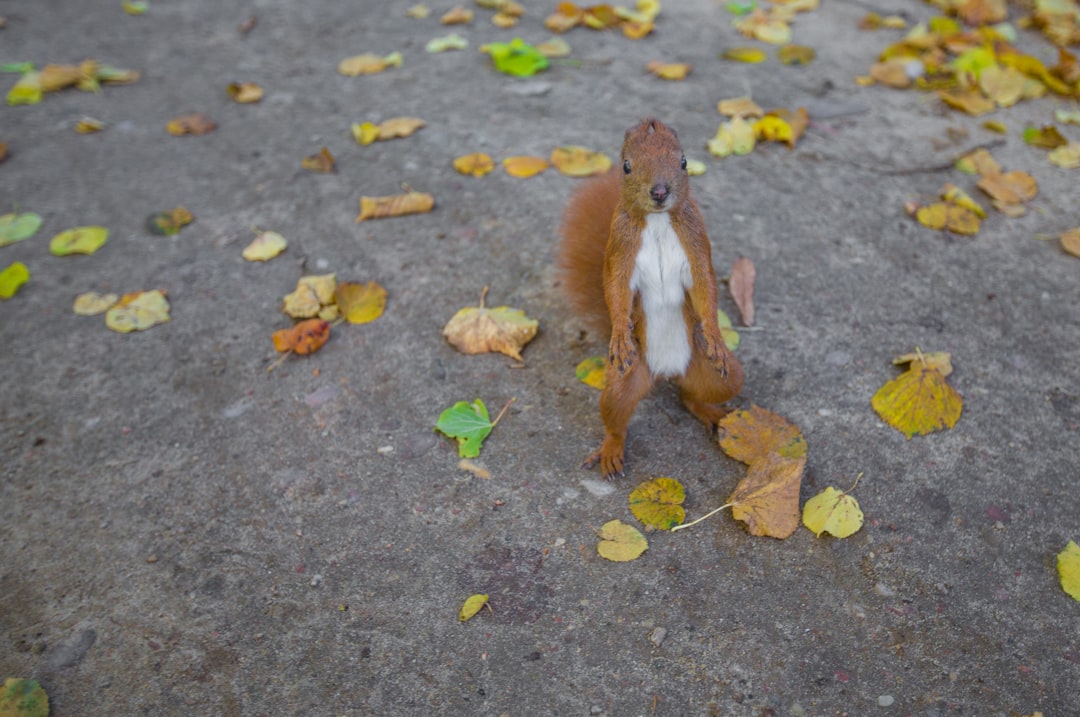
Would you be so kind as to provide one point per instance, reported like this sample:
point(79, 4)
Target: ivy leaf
point(620, 542)
point(516, 57)
point(468, 423)
point(658, 503)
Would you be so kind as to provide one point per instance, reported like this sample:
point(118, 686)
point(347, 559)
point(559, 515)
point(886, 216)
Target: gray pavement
point(184, 533)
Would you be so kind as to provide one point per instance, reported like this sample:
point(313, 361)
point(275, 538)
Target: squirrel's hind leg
point(703, 388)
point(617, 404)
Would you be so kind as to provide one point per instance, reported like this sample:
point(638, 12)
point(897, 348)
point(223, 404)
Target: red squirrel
point(635, 260)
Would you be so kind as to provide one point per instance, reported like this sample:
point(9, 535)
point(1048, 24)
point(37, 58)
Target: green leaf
point(20, 67)
point(12, 278)
point(740, 7)
point(1068, 565)
point(80, 240)
point(659, 503)
point(731, 336)
point(468, 423)
point(23, 698)
point(16, 227)
point(516, 57)
point(27, 91)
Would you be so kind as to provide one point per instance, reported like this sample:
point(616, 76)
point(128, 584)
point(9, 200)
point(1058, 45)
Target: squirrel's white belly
point(661, 277)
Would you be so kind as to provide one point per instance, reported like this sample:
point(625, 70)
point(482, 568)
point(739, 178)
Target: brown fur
point(602, 229)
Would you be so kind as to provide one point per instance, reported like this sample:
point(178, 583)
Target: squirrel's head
point(654, 177)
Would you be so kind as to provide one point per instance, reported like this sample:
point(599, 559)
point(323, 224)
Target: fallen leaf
point(1067, 157)
point(796, 54)
point(27, 90)
point(265, 246)
point(170, 222)
point(733, 137)
point(472, 605)
point(971, 101)
point(601, 17)
point(773, 129)
point(368, 64)
point(695, 167)
point(91, 303)
point(980, 163)
point(1068, 565)
point(468, 423)
point(1070, 241)
point(955, 195)
point(504, 20)
point(476, 164)
point(304, 338)
point(13, 277)
point(457, 15)
point(593, 372)
point(80, 240)
point(477, 329)
point(919, 401)
point(753, 434)
point(577, 161)
point(322, 162)
point(23, 698)
point(1003, 85)
point(765, 27)
point(446, 43)
point(195, 123)
point(524, 167)
point(475, 468)
point(419, 11)
point(731, 336)
point(834, 512)
point(1009, 187)
point(940, 361)
point(516, 57)
point(244, 92)
point(400, 127)
point(360, 303)
point(658, 503)
point(364, 133)
point(741, 286)
point(16, 227)
point(138, 311)
point(89, 125)
point(767, 499)
point(669, 70)
point(620, 542)
point(1065, 116)
point(555, 47)
point(566, 17)
point(134, 7)
point(395, 205)
point(750, 55)
point(1045, 137)
point(739, 107)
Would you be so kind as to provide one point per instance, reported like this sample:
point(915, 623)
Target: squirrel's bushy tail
point(585, 228)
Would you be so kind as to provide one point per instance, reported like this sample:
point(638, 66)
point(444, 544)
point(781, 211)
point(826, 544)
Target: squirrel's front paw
point(622, 352)
point(717, 352)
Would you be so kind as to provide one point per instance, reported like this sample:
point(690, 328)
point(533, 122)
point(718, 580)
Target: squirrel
point(635, 261)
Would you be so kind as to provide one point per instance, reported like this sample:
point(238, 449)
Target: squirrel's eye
point(682, 164)
point(626, 166)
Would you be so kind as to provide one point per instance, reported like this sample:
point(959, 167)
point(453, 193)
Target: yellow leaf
point(933, 216)
point(739, 107)
point(941, 361)
point(138, 311)
point(980, 163)
point(669, 70)
point(322, 162)
point(524, 167)
point(27, 91)
point(1009, 187)
point(446, 43)
point(593, 372)
point(80, 240)
point(695, 167)
point(265, 246)
point(734, 137)
point(765, 27)
point(323, 285)
point(658, 503)
point(767, 499)
point(954, 194)
point(1066, 157)
point(1003, 85)
point(753, 434)
point(577, 161)
point(457, 15)
point(918, 401)
point(134, 7)
point(400, 127)
point(476, 164)
point(620, 542)
point(1070, 241)
point(311, 294)
point(418, 12)
point(360, 303)
point(195, 123)
point(92, 303)
point(477, 330)
point(796, 55)
point(395, 205)
point(504, 20)
point(244, 92)
point(368, 64)
point(365, 133)
point(971, 101)
point(13, 277)
point(834, 512)
point(635, 30)
point(750, 55)
point(555, 47)
point(566, 17)
point(472, 605)
point(772, 129)
point(89, 125)
point(1068, 565)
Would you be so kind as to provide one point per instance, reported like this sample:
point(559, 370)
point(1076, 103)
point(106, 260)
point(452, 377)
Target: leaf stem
point(502, 411)
point(857, 478)
point(707, 515)
point(483, 295)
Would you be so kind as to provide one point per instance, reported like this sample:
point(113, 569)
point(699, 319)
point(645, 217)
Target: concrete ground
point(184, 533)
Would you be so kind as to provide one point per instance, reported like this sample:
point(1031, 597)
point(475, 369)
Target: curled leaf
point(476, 164)
point(395, 205)
point(322, 162)
point(477, 329)
point(12, 278)
point(304, 338)
point(524, 167)
point(472, 605)
point(750, 55)
point(669, 70)
point(195, 124)
point(92, 303)
point(741, 286)
point(576, 161)
point(170, 222)
point(265, 246)
point(244, 92)
point(368, 64)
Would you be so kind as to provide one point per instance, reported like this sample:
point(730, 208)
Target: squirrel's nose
point(659, 192)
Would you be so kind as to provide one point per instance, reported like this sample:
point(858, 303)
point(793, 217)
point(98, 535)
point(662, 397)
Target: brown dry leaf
point(739, 107)
point(980, 163)
point(1070, 242)
point(981, 12)
point(1066, 157)
point(767, 498)
point(305, 338)
point(321, 162)
point(635, 30)
point(457, 15)
point(368, 64)
point(1003, 85)
point(504, 20)
point(400, 127)
point(395, 205)
point(753, 434)
point(971, 101)
point(477, 330)
point(577, 161)
point(89, 125)
point(601, 17)
point(524, 167)
point(244, 92)
point(57, 77)
point(1009, 187)
point(741, 285)
point(476, 164)
point(892, 72)
point(566, 17)
point(194, 123)
point(669, 70)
